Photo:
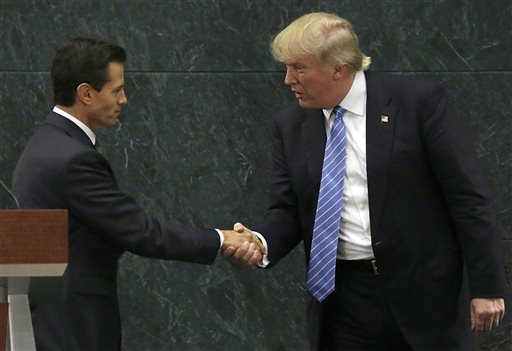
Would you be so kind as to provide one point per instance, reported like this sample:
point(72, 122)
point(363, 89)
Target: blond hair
point(326, 35)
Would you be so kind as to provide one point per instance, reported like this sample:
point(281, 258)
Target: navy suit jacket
point(431, 211)
point(60, 168)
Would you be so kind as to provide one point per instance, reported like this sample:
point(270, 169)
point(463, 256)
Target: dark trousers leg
point(357, 317)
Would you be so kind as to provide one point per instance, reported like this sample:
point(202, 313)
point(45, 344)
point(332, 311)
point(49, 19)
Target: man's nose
point(289, 78)
point(123, 100)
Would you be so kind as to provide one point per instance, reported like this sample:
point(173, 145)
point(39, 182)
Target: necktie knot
point(338, 112)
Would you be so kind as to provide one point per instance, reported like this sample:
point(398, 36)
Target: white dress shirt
point(355, 241)
point(354, 238)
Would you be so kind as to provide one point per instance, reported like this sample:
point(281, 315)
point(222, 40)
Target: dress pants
point(356, 315)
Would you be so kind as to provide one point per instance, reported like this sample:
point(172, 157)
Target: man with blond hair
point(376, 175)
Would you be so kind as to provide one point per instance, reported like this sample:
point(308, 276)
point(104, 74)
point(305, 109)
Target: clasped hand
point(486, 313)
point(242, 246)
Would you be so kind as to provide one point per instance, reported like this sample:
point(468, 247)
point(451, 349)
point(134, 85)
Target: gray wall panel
point(194, 141)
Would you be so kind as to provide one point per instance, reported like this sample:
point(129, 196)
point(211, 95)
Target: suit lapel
point(380, 127)
point(313, 134)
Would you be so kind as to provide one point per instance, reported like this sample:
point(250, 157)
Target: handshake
point(242, 246)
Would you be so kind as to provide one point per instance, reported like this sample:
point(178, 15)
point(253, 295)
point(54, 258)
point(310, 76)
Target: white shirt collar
point(355, 100)
point(75, 120)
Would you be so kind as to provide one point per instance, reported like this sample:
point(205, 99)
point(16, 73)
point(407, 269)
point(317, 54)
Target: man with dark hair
point(60, 168)
point(75, 62)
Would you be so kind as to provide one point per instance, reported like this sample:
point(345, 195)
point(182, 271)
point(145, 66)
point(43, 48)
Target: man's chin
point(114, 121)
point(302, 103)
point(111, 123)
point(305, 104)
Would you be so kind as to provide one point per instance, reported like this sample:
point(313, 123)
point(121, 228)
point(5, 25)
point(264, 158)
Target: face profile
point(107, 103)
point(314, 84)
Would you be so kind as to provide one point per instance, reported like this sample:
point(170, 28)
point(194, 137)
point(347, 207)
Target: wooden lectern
point(33, 243)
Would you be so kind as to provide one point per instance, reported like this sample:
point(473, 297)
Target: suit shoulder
point(50, 150)
point(394, 82)
point(405, 89)
point(289, 114)
point(292, 108)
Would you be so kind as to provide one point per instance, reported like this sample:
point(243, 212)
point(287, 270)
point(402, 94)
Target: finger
point(488, 321)
point(502, 310)
point(229, 251)
point(249, 253)
point(251, 257)
point(239, 227)
point(496, 316)
point(479, 323)
point(258, 243)
point(485, 323)
point(496, 322)
point(499, 314)
point(241, 251)
point(256, 258)
point(260, 246)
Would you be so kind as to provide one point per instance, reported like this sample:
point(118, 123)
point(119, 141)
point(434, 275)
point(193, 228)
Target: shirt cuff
point(221, 237)
point(264, 261)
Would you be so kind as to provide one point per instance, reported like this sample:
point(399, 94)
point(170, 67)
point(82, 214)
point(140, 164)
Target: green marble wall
point(193, 145)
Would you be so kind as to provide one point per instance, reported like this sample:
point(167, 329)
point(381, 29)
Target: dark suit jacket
point(60, 168)
point(431, 211)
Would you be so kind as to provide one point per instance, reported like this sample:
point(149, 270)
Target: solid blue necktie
point(322, 261)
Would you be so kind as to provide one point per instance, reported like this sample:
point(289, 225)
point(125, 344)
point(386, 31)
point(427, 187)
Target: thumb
point(239, 227)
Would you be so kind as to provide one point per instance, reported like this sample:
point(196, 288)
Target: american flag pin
point(384, 119)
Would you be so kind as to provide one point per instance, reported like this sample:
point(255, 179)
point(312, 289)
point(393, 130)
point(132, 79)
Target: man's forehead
point(303, 59)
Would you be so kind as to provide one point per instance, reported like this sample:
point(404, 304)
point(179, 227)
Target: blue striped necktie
point(322, 260)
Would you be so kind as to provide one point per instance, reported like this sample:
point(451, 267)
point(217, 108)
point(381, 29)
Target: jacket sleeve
point(95, 199)
point(469, 199)
point(281, 225)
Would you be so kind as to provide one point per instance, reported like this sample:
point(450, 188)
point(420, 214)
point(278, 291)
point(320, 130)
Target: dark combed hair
point(82, 60)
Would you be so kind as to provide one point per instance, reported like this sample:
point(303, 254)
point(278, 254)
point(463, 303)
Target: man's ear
point(340, 71)
point(84, 93)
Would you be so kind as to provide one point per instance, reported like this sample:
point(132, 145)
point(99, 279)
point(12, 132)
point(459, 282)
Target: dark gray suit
point(431, 212)
point(60, 168)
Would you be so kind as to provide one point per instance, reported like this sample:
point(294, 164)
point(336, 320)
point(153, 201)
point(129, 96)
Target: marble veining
point(193, 145)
